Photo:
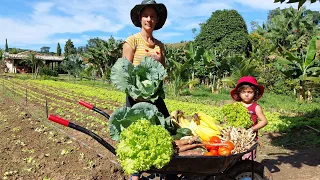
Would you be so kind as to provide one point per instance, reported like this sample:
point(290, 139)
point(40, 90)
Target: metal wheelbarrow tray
point(201, 164)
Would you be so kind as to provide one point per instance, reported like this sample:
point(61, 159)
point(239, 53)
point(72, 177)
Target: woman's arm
point(127, 52)
point(263, 120)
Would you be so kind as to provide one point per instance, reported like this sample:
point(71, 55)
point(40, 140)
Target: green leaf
point(123, 117)
point(284, 61)
point(121, 74)
point(312, 48)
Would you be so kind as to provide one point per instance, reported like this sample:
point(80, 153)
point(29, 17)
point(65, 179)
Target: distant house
point(14, 61)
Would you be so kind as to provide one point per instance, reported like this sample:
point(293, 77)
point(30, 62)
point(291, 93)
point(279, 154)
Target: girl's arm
point(127, 52)
point(263, 120)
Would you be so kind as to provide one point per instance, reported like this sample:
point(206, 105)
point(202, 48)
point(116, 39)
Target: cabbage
point(123, 117)
point(143, 145)
point(143, 82)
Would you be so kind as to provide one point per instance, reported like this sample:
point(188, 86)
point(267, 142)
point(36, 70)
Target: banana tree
point(301, 67)
point(103, 54)
point(216, 63)
point(194, 58)
point(240, 66)
point(290, 28)
point(73, 64)
point(178, 68)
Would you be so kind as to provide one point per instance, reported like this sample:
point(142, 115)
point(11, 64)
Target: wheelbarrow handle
point(64, 122)
point(58, 120)
point(92, 107)
point(85, 104)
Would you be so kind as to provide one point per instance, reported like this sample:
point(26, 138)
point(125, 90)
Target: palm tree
point(34, 62)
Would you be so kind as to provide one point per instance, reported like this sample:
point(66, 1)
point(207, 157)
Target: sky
point(33, 24)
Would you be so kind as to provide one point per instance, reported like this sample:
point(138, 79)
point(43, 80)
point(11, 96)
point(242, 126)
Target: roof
point(24, 55)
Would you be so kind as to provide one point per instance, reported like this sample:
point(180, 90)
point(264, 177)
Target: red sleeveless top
point(254, 117)
point(252, 112)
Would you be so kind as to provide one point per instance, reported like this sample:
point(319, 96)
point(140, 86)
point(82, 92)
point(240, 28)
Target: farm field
point(34, 148)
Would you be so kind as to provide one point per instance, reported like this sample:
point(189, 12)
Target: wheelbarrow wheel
point(243, 170)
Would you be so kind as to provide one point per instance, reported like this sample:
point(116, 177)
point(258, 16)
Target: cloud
point(164, 36)
point(53, 21)
point(262, 4)
point(44, 22)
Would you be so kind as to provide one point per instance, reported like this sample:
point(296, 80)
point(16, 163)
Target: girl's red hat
point(247, 80)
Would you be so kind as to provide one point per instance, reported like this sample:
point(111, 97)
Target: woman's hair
point(243, 86)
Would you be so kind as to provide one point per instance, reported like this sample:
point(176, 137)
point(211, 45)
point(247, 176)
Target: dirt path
point(33, 148)
point(290, 164)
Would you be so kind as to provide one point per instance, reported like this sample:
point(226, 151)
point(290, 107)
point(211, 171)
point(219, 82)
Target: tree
point(81, 49)
point(315, 16)
point(73, 64)
point(193, 54)
point(291, 29)
point(274, 12)
point(45, 49)
point(13, 51)
point(301, 67)
point(194, 31)
point(34, 62)
point(103, 54)
point(240, 66)
point(69, 48)
point(58, 50)
point(225, 29)
point(6, 48)
point(2, 63)
point(300, 2)
point(178, 68)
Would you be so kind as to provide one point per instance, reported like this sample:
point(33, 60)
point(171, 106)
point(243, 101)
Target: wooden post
point(47, 111)
point(26, 97)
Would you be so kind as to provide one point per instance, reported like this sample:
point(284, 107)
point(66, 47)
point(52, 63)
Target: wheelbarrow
point(190, 167)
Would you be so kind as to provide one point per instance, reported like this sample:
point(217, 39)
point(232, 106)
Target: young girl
point(248, 91)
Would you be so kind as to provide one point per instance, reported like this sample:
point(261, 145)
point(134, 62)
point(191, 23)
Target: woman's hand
point(156, 57)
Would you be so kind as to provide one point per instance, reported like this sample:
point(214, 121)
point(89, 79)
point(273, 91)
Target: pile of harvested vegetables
point(148, 140)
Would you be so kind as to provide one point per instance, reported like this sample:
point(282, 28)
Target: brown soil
point(31, 147)
point(34, 148)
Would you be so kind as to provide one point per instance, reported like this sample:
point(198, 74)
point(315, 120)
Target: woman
point(150, 16)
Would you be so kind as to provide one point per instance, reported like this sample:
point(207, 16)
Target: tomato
point(214, 139)
point(208, 147)
point(223, 151)
point(229, 145)
point(214, 152)
point(208, 154)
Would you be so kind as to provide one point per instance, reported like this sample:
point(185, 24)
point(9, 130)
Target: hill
point(177, 45)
